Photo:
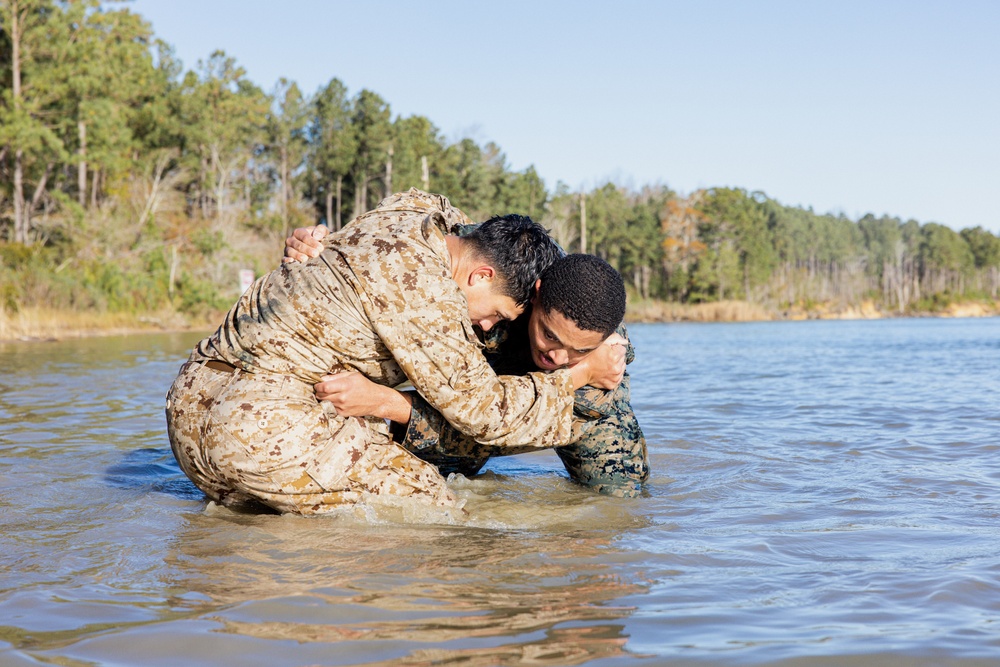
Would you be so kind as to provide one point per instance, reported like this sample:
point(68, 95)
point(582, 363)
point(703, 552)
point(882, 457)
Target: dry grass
point(742, 311)
point(47, 324)
point(721, 311)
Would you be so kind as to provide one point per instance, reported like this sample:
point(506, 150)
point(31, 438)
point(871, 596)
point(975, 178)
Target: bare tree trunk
point(583, 223)
point(885, 283)
point(720, 273)
point(357, 199)
point(363, 199)
point(40, 188)
point(329, 206)
point(20, 228)
point(81, 178)
point(223, 170)
point(388, 173)
point(202, 175)
point(340, 184)
point(284, 191)
point(93, 188)
point(29, 208)
point(154, 191)
point(641, 277)
point(173, 270)
point(425, 175)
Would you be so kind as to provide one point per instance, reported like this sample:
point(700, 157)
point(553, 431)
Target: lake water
point(823, 493)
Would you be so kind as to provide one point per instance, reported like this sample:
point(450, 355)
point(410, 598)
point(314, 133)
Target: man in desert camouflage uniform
point(579, 300)
point(392, 296)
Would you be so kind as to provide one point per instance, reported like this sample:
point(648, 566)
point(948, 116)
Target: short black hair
point(585, 289)
point(519, 249)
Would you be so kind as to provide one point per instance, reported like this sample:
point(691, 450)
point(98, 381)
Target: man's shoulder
point(426, 203)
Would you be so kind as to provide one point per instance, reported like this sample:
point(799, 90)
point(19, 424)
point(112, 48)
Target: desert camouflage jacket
point(380, 299)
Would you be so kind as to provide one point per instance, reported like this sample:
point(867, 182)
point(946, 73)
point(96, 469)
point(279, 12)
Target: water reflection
point(561, 646)
point(335, 580)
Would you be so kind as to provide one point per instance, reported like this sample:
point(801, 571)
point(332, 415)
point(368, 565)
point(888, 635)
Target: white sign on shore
point(246, 279)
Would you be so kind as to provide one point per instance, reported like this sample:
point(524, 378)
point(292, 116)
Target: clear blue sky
point(881, 106)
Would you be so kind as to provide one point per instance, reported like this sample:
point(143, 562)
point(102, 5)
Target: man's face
point(556, 341)
point(488, 307)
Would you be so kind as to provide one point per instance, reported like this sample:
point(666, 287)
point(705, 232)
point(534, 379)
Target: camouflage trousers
point(262, 437)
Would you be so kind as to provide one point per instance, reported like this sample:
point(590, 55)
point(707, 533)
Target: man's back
point(306, 320)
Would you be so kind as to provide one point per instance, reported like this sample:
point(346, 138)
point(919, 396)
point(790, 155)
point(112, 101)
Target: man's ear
point(538, 286)
point(483, 272)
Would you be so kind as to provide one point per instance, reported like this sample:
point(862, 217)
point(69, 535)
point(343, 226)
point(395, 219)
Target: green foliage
point(936, 302)
point(208, 242)
point(371, 120)
point(17, 256)
point(523, 192)
point(471, 177)
point(415, 142)
point(35, 275)
point(332, 150)
point(13, 257)
point(985, 247)
point(739, 222)
point(200, 297)
point(944, 249)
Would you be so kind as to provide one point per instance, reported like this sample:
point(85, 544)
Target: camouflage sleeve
point(592, 403)
point(436, 441)
point(609, 452)
point(629, 351)
point(452, 375)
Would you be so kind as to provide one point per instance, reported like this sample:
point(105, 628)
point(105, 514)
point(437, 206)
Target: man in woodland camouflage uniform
point(607, 450)
point(580, 300)
point(393, 296)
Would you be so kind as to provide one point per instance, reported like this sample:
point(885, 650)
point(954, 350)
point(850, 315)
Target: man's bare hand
point(605, 366)
point(354, 395)
point(304, 244)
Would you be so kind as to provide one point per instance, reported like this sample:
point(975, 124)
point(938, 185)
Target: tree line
point(130, 183)
point(726, 243)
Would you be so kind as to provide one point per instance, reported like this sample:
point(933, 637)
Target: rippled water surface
point(823, 493)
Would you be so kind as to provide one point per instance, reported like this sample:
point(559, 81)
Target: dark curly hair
point(587, 290)
point(519, 249)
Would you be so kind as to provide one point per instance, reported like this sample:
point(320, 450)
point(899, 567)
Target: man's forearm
point(397, 407)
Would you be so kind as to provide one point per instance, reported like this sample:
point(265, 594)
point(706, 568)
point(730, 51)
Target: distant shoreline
point(41, 324)
point(743, 311)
